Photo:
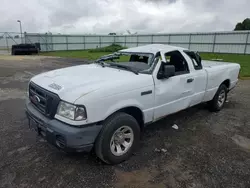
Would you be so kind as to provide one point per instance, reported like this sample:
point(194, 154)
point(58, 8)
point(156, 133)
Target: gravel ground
point(208, 149)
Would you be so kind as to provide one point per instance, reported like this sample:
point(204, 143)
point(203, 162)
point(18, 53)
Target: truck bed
point(209, 64)
point(218, 72)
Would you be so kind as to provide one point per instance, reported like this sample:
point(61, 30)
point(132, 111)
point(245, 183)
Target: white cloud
point(104, 16)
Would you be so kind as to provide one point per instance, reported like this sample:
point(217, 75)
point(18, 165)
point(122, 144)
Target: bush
point(111, 48)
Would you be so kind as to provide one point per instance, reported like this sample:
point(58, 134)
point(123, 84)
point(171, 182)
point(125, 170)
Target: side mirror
point(166, 71)
point(169, 71)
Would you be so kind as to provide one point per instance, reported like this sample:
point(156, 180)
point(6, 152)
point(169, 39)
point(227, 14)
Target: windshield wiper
point(100, 63)
point(110, 57)
point(124, 67)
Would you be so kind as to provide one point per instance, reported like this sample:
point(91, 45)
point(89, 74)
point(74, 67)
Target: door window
point(196, 59)
point(175, 58)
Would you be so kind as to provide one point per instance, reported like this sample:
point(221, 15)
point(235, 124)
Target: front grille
point(45, 101)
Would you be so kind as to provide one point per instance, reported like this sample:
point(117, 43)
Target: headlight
point(71, 111)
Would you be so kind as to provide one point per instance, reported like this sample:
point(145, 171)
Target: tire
point(105, 143)
point(218, 101)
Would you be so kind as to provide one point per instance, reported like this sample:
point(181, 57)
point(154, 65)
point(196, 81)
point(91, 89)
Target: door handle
point(190, 80)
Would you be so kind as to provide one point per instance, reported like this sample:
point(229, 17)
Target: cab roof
point(153, 48)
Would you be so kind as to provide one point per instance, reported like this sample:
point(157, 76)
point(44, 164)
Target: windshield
point(137, 62)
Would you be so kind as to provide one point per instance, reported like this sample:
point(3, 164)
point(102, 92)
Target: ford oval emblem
point(35, 99)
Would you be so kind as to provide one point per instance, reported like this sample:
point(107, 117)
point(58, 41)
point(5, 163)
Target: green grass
point(243, 60)
point(110, 48)
point(76, 54)
point(81, 54)
point(91, 54)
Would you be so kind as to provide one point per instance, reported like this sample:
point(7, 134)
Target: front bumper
point(61, 135)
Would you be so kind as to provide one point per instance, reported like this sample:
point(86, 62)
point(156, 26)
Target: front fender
point(122, 104)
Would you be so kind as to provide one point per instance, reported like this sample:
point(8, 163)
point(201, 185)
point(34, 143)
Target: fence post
point(67, 43)
point(46, 38)
point(114, 39)
point(152, 39)
point(245, 50)
point(52, 44)
point(7, 44)
point(136, 40)
point(169, 38)
point(125, 41)
point(100, 41)
point(83, 39)
point(214, 42)
point(189, 43)
point(24, 35)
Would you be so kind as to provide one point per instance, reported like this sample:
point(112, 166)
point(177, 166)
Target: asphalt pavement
point(208, 149)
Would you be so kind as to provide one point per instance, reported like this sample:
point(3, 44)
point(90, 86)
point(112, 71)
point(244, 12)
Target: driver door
point(173, 94)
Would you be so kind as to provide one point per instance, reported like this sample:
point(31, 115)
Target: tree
point(245, 25)
point(239, 27)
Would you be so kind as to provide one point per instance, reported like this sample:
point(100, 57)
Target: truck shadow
point(151, 131)
point(168, 121)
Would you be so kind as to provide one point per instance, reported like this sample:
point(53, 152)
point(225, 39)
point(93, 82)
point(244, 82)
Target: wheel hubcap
point(121, 140)
point(221, 98)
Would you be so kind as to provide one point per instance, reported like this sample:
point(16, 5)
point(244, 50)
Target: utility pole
point(21, 30)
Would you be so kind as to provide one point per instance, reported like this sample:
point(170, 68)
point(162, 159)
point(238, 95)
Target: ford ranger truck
point(104, 106)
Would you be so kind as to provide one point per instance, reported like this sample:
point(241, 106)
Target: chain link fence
point(215, 42)
point(7, 39)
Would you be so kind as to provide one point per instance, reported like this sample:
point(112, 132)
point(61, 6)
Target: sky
point(120, 16)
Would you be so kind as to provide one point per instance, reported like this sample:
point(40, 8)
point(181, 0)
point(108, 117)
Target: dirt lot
point(208, 150)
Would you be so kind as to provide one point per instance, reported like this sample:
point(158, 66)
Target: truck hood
point(74, 82)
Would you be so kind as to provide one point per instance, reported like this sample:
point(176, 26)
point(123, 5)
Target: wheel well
point(226, 83)
point(136, 113)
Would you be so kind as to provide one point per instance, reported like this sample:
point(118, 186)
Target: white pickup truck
point(105, 105)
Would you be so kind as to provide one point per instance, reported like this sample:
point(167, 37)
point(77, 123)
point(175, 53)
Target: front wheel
point(118, 138)
point(219, 99)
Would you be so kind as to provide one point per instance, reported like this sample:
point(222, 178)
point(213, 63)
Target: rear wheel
point(118, 138)
point(219, 99)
